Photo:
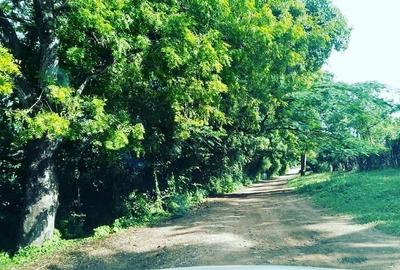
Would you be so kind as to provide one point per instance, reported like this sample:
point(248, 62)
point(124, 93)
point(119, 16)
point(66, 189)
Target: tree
point(342, 122)
point(46, 110)
point(197, 88)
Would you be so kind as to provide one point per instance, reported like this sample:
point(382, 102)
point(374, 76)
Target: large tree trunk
point(303, 164)
point(41, 195)
point(46, 24)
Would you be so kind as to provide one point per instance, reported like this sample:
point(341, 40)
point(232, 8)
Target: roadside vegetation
point(119, 113)
point(31, 253)
point(144, 212)
point(371, 196)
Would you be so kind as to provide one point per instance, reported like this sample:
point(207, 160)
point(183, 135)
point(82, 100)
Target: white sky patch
point(374, 49)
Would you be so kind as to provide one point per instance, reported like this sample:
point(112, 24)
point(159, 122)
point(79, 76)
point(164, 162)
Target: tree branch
point(11, 41)
point(89, 78)
point(9, 35)
point(62, 7)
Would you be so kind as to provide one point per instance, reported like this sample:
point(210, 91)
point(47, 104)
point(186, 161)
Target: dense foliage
point(132, 109)
point(346, 126)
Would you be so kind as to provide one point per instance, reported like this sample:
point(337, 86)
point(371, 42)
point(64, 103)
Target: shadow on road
point(263, 224)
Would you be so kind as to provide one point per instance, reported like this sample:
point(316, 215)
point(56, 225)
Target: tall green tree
point(47, 110)
point(195, 87)
point(341, 122)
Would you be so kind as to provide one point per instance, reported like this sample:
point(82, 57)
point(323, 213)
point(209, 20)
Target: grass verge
point(31, 253)
point(372, 196)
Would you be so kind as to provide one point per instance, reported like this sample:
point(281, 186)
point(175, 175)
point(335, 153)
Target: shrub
point(224, 184)
point(257, 167)
point(72, 226)
point(199, 195)
point(319, 167)
point(4, 259)
point(275, 167)
point(102, 231)
point(178, 204)
point(284, 167)
point(139, 209)
point(247, 181)
point(31, 253)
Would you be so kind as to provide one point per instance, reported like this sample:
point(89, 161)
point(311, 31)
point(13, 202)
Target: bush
point(102, 231)
point(319, 167)
point(179, 204)
point(139, 209)
point(247, 181)
point(4, 259)
point(258, 166)
point(224, 184)
point(284, 167)
point(199, 195)
point(31, 253)
point(275, 167)
point(73, 225)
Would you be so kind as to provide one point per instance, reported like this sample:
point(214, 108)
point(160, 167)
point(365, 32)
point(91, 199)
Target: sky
point(374, 50)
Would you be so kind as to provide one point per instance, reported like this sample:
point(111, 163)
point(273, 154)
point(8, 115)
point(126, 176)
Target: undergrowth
point(31, 253)
point(139, 210)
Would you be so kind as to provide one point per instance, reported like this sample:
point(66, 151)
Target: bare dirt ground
point(263, 224)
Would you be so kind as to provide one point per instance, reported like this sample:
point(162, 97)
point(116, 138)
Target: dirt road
point(263, 224)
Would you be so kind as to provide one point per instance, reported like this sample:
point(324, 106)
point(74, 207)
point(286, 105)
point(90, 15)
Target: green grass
point(372, 196)
point(31, 253)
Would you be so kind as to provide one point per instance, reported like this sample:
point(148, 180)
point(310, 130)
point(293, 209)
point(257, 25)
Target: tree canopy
point(114, 104)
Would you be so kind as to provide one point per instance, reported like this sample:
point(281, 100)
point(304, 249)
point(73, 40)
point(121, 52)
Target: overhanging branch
point(9, 35)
